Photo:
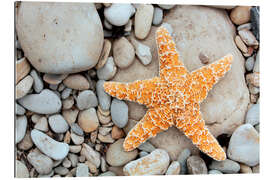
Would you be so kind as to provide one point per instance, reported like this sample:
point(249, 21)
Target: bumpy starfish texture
point(173, 98)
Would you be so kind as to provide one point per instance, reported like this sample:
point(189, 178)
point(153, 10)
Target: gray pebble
point(86, 99)
point(42, 163)
point(103, 98)
point(214, 172)
point(226, 166)
point(61, 170)
point(143, 153)
point(53, 86)
point(108, 71)
point(76, 129)
point(158, 15)
point(257, 63)
point(244, 26)
point(82, 170)
point(196, 165)
point(147, 146)
point(253, 115)
point(119, 113)
point(182, 159)
point(249, 64)
point(65, 93)
point(21, 125)
point(58, 124)
point(19, 109)
point(66, 163)
point(38, 83)
point(73, 159)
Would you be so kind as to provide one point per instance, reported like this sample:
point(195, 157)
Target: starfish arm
point(149, 126)
point(194, 128)
point(205, 77)
point(168, 56)
point(139, 91)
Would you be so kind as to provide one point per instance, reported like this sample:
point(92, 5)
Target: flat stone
point(76, 81)
point(54, 79)
point(244, 26)
point(22, 69)
point(103, 119)
point(50, 147)
point(253, 115)
point(119, 113)
point(118, 14)
point(248, 38)
point(108, 70)
point(76, 129)
point(104, 99)
point(174, 168)
point(21, 170)
point(73, 159)
point(19, 109)
point(47, 102)
point(86, 99)
point(90, 154)
point(26, 142)
point(82, 170)
point(38, 83)
point(158, 16)
point(143, 20)
point(156, 163)
point(66, 163)
point(240, 15)
point(76, 139)
point(24, 86)
point(227, 166)
point(57, 37)
point(123, 52)
point(75, 148)
point(21, 125)
point(240, 44)
point(196, 165)
point(42, 124)
point(117, 156)
point(42, 164)
point(88, 120)
point(244, 145)
point(104, 54)
point(58, 124)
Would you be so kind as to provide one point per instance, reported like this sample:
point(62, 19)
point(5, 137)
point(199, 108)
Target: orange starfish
point(173, 98)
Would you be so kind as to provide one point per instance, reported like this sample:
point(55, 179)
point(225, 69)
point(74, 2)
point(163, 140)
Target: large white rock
point(197, 30)
point(54, 149)
point(60, 37)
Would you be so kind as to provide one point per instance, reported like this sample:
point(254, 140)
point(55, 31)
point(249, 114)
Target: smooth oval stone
point(24, 86)
point(58, 124)
point(86, 99)
point(21, 125)
point(158, 15)
point(47, 102)
point(22, 69)
point(49, 146)
point(58, 37)
point(54, 79)
point(108, 70)
point(88, 120)
point(76, 81)
point(119, 113)
point(174, 168)
point(226, 166)
point(253, 115)
point(42, 164)
point(21, 170)
point(196, 165)
point(104, 99)
point(38, 83)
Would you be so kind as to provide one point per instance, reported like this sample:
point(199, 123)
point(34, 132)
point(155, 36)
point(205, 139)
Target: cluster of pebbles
point(67, 126)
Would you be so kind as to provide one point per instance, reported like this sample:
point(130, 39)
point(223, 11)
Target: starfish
point(173, 98)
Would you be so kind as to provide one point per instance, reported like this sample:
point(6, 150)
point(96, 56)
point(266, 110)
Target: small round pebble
point(143, 52)
point(158, 16)
point(104, 54)
point(182, 159)
point(22, 69)
point(42, 163)
point(38, 83)
point(173, 169)
point(76, 139)
point(253, 115)
point(65, 93)
point(196, 165)
point(249, 63)
point(76, 129)
point(119, 113)
point(76, 81)
point(108, 71)
point(21, 125)
point(61, 170)
point(240, 44)
point(104, 99)
point(86, 99)
point(58, 124)
point(88, 120)
point(73, 159)
point(42, 124)
point(26, 142)
point(245, 169)
point(240, 15)
point(75, 148)
point(54, 79)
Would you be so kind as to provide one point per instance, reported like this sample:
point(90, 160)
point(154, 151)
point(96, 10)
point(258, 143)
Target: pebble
point(86, 99)
point(73, 159)
point(103, 164)
point(66, 163)
point(68, 102)
point(143, 52)
point(53, 87)
point(123, 52)
point(26, 143)
point(88, 120)
point(166, 6)
point(108, 71)
point(24, 86)
point(119, 113)
point(103, 119)
point(158, 16)
point(240, 44)
point(50, 147)
point(22, 69)
point(76, 81)
point(105, 139)
point(182, 159)
point(108, 173)
point(107, 25)
point(143, 20)
point(214, 172)
point(58, 124)
point(61, 170)
point(104, 54)
point(47, 102)
point(143, 153)
point(240, 15)
point(244, 26)
point(35, 118)
point(54, 79)
point(19, 109)
point(104, 112)
point(82, 170)
point(90, 154)
point(75, 148)
point(227, 166)
point(71, 41)
point(256, 169)
point(257, 63)
point(255, 21)
point(249, 63)
point(156, 163)
point(253, 115)
point(21, 125)
point(118, 14)
point(42, 124)
point(21, 170)
point(245, 169)
point(248, 38)
point(146, 146)
point(38, 83)
point(128, 26)
point(196, 165)
point(61, 87)
point(244, 145)
point(42, 163)
point(70, 115)
point(82, 159)
point(104, 99)
point(117, 133)
point(117, 156)
point(77, 139)
point(253, 78)
point(104, 130)
point(174, 168)
point(76, 129)
point(66, 93)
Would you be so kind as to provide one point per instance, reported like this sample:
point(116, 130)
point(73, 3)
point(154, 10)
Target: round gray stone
point(104, 99)
point(86, 99)
point(119, 113)
point(58, 124)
